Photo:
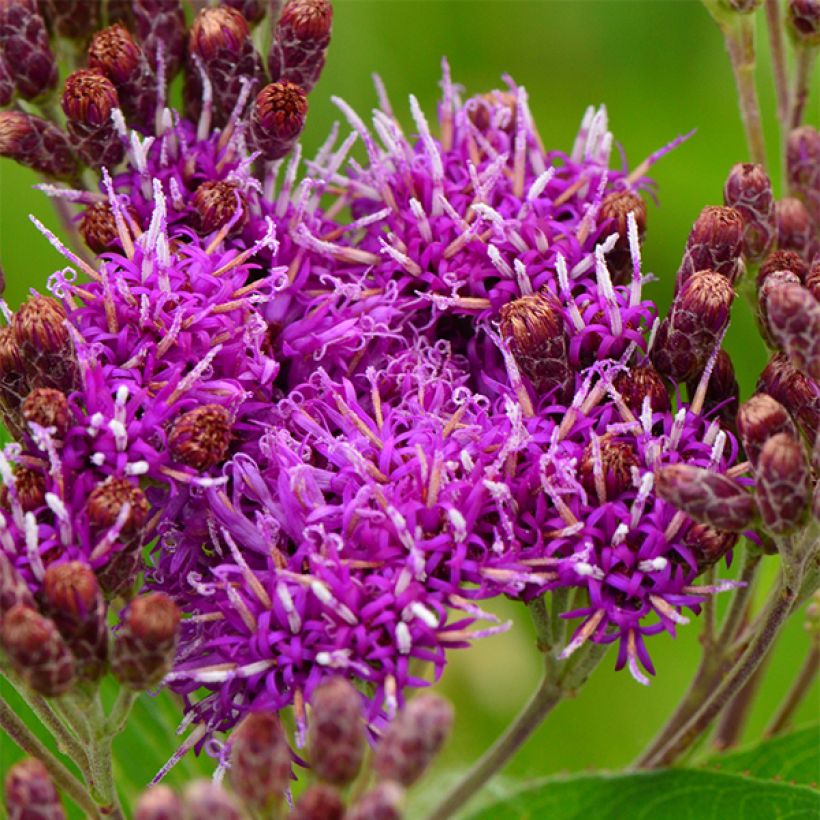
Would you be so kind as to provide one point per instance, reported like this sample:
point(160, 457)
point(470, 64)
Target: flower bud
point(13, 589)
point(797, 393)
point(804, 21)
point(37, 144)
point(803, 167)
point(145, 644)
point(24, 44)
point(13, 383)
point(782, 261)
point(749, 191)
point(98, 227)
point(277, 118)
point(318, 802)
point(158, 803)
point(606, 471)
point(74, 19)
point(794, 228)
point(216, 203)
point(160, 26)
point(772, 282)
point(41, 323)
point(88, 100)
point(708, 497)
point(300, 42)
point(538, 340)
point(74, 602)
point(782, 484)
point(48, 408)
point(252, 10)
point(794, 321)
point(200, 437)
point(120, 568)
point(37, 651)
point(337, 737)
point(760, 418)
point(615, 208)
point(708, 544)
point(722, 392)
point(28, 489)
point(260, 760)
point(6, 82)
point(715, 243)
point(30, 794)
point(384, 802)
point(639, 383)
point(813, 280)
point(413, 739)
point(206, 800)
point(107, 499)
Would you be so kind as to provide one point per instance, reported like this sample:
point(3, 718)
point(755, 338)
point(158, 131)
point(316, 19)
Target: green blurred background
point(661, 69)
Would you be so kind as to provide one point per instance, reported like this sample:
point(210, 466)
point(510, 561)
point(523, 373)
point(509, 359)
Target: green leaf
point(792, 758)
point(675, 794)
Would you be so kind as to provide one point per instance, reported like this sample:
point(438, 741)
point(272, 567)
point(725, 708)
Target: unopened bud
point(794, 225)
point(145, 644)
point(300, 42)
point(200, 437)
point(708, 544)
point(158, 803)
point(615, 208)
point(384, 802)
point(782, 484)
point(413, 739)
point(37, 144)
point(107, 499)
point(13, 589)
point(336, 736)
point(122, 565)
point(796, 392)
point(260, 760)
point(41, 323)
point(749, 191)
point(804, 21)
point(538, 340)
point(28, 489)
point(803, 167)
point(715, 243)
point(13, 383)
point(277, 119)
point(641, 383)
point(206, 800)
point(37, 651)
point(722, 391)
point(813, 280)
point(160, 25)
point(794, 321)
point(74, 19)
point(772, 282)
point(24, 44)
point(74, 602)
point(606, 470)
point(252, 10)
point(216, 203)
point(318, 802)
point(6, 82)
point(760, 418)
point(98, 227)
point(709, 497)
point(782, 261)
point(30, 794)
point(48, 408)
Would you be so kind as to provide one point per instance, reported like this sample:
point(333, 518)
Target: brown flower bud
point(48, 408)
point(13, 589)
point(37, 651)
point(41, 323)
point(98, 227)
point(216, 203)
point(715, 243)
point(772, 282)
point(639, 383)
point(200, 437)
point(300, 42)
point(797, 393)
point(13, 383)
point(319, 802)
point(6, 82)
point(760, 418)
point(384, 802)
point(107, 499)
point(277, 118)
point(804, 21)
point(615, 208)
point(749, 191)
point(803, 167)
point(252, 10)
point(121, 568)
point(707, 496)
point(218, 30)
point(782, 260)
point(24, 44)
point(74, 19)
point(782, 484)
point(260, 760)
point(160, 26)
point(30, 794)
point(145, 644)
point(538, 341)
point(37, 144)
point(28, 490)
point(722, 392)
point(74, 602)
point(413, 739)
point(708, 544)
point(794, 226)
point(607, 473)
point(206, 800)
point(794, 321)
point(158, 803)
point(337, 737)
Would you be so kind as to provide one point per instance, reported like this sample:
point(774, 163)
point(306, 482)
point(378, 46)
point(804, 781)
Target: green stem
point(734, 717)
point(799, 689)
point(120, 711)
point(781, 80)
point(67, 741)
point(802, 82)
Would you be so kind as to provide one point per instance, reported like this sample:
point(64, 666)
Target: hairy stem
point(120, 711)
point(774, 23)
point(733, 719)
point(67, 741)
point(802, 82)
point(798, 691)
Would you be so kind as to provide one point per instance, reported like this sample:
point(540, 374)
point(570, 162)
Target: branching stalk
point(798, 691)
